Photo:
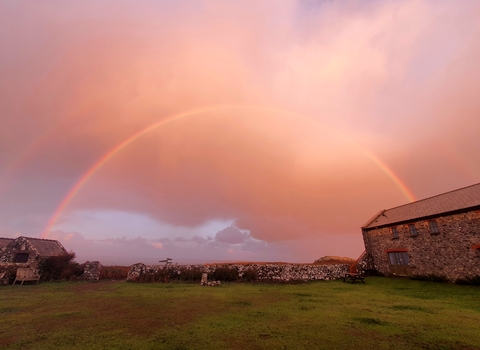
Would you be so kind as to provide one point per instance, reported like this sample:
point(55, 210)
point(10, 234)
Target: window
point(394, 232)
point(433, 226)
point(413, 230)
point(21, 257)
point(398, 258)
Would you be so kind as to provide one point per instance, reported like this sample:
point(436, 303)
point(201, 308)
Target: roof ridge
point(437, 195)
point(42, 239)
point(375, 217)
point(32, 238)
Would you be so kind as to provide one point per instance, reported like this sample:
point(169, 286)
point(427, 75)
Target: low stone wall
point(264, 272)
point(91, 271)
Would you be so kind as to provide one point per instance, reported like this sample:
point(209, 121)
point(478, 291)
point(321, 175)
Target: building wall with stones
point(453, 252)
point(365, 265)
point(264, 272)
point(20, 246)
point(25, 252)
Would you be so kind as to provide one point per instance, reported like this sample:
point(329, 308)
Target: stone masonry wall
point(364, 265)
point(22, 245)
point(453, 252)
point(265, 272)
point(91, 270)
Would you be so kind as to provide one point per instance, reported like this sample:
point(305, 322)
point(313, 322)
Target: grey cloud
point(231, 235)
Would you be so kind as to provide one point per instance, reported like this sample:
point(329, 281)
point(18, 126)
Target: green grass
point(381, 314)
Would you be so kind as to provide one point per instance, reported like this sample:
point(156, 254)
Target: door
point(399, 263)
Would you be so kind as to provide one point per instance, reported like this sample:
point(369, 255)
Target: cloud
point(346, 91)
point(231, 235)
point(200, 240)
point(128, 251)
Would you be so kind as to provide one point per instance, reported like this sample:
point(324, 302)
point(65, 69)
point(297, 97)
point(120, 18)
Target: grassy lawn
point(381, 314)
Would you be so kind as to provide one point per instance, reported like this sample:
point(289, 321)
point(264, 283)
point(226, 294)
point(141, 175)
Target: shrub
point(8, 274)
point(188, 274)
point(114, 272)
point(161, 275)
point(225, 274)
point(60, 267)
point(249, 275)
point(72, 270)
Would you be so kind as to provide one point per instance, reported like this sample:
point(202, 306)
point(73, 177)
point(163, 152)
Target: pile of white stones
point(91, 271)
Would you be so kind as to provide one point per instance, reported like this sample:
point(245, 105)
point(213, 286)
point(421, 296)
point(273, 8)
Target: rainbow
point(403, 187)
point(104, 159)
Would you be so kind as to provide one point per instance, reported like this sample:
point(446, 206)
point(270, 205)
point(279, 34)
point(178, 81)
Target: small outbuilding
point(437, 236)
point(28, 251)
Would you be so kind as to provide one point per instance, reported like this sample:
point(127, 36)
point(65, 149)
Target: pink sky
point(213, 131)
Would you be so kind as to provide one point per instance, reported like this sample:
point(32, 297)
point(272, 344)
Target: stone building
point(28, 251)
point(436, 236)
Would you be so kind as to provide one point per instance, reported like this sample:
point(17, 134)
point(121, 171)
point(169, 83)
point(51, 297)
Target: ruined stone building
point(437, 236)
point(27, 251)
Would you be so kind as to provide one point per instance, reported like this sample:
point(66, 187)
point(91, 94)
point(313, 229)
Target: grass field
point(381, 314)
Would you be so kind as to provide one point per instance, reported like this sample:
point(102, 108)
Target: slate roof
point(47, 247)
point(460, 199)
point(4, 241)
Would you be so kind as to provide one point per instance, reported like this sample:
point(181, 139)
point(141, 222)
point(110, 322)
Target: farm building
point(27, 251)
point(437, 236)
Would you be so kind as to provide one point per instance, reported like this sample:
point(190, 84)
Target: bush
point(114, 272)
point(161, 275)
point(249, 275)
point(225, 274)
point(8, 274)
point(60, 267)
point(188, 274)
point(72, 270)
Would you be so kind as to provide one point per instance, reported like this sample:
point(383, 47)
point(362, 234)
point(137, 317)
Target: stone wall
point(91, 270)
point(20, 245)
point(364, 265)
point(264, 272)
point(8, 268)
point(453, 252)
